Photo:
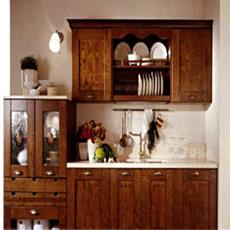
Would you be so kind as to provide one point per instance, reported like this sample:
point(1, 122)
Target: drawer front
point(55, 185)
point(24, 184)
point(19, 171)
point(14, 184)
point(125, 174)
point(90, 174)
point(155, 174)
point(195, 174)
point(34, 213)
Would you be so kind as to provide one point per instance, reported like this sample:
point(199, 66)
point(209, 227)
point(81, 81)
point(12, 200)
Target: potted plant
point(29, 67)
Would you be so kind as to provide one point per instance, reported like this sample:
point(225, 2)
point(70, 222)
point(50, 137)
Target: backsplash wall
point(182, 134)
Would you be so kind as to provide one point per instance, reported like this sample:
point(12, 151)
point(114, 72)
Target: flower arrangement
point(91, 130)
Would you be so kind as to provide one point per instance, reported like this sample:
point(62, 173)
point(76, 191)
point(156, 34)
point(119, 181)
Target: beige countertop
point(169, 163)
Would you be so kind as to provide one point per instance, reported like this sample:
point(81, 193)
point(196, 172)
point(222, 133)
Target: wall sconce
point(55, 41)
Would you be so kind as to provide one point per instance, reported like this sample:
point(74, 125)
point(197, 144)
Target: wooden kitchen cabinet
point(88, 199)
point(125, 199)
point(157, 201)
point(192, 75)
point(36, 188)
point(91, 64)
point(39, 127)
point(195, 199)
point(142, 198)
point(184, 76)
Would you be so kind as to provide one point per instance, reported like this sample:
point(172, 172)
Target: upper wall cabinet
point(192, 72)
point(171, 60)
point(92, 65)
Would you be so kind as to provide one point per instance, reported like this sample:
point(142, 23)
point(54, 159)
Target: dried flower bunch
point(29, 62)
point(91, 130)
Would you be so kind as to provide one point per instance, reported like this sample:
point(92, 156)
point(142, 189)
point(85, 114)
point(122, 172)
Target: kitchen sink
point(145, 161)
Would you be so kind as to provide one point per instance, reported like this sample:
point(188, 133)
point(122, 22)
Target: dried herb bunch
point(29, 62)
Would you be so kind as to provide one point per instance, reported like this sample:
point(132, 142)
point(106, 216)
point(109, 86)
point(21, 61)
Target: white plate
point(141, 49)
point(139, 90)
point(150, 84)
point(147, 84)
point(162, 84)
point(143, 85)
point(156, 84)
point(153, 83)
point(158, 51)
point(121, 52)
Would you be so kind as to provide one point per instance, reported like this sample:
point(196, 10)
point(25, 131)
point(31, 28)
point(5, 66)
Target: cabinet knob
point(158, 173)
point(18, 172)
point(196, 173)
point(33, 212)
point(125, 173)
point(50, 173)
point(192, 97)
point(88, 173)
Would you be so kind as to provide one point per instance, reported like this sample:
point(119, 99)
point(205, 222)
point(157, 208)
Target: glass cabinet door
point(19, 136)
point(50, 138)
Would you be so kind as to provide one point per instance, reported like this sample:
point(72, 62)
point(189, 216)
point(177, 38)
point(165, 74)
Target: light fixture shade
point(55, 42)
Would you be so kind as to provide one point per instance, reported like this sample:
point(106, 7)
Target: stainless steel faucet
point(141, 153)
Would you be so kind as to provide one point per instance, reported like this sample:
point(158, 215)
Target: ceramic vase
point(91, 147)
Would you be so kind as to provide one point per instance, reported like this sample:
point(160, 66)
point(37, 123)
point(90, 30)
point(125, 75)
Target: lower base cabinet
point(142, 198)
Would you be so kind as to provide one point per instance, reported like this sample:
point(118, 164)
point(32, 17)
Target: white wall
point(5, 81)
point(224, 124)
point(212, 114)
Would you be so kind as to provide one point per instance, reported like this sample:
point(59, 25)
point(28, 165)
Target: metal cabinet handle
point(88, 173)
point(18, 172)
point(33, 212)
point(196, 173)
point(49, 173)
point(158, 173)
point(192, 97)
point(125, 173)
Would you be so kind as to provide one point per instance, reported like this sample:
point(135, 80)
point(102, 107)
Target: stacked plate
point(150, 84)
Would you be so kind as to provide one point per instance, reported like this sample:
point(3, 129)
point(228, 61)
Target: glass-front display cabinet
point(35, 141)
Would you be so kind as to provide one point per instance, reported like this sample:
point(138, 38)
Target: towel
point(147, 119)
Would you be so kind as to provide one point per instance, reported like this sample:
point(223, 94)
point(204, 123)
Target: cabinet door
point(51, 138)
point(92, 65)
point(192, 61)
point(19, 138)
point(125, 199)
point(27, 217)
point(88, 199)
point(157, 187)
point(195, 199)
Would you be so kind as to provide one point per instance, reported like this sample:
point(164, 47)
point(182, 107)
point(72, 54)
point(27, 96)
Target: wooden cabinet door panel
point(11, 165)
point(92, 69)
point(157, 203)
point(195, 199)
point(125, 199)
point(88, 200)
point(192, 72)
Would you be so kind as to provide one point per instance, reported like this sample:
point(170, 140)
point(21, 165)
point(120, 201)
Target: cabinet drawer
point(195, 174)
point(24, 184)
point(89, 174)
point(55, 185)
point(14, 184)
point(156, 174)
point(34, 212)
point(125, 173)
